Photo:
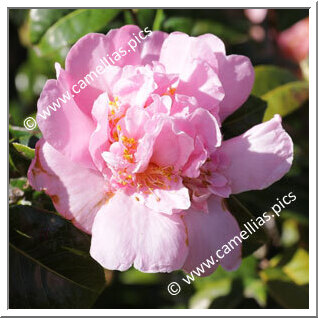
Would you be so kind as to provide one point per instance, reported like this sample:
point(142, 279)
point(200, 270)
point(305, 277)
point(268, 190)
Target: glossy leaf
point(243, 215)
point(41, 19)
point(50, 240)
point(18, 162)
point(26, 151)
point(34, 286)
point(268, 77)
point(248, 115)
point(285, 99)
point(71, 27)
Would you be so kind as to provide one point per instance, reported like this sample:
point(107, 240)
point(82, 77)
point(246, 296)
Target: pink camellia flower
point(294, 41)
point(137, 159)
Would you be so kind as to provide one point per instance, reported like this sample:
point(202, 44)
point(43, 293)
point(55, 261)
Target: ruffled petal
point(153, 242)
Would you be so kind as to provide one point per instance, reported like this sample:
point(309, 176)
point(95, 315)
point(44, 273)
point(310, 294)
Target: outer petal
point(208, 232)
point(237, 76)
point(99, 141)
point(179, 50)
point(259, 157)
point(77, 192)
point(152, 241)
point(152, 47)
point(67, 129)
point(198, 79)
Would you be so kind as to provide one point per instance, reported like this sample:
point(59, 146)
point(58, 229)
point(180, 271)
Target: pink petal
point(294, 41)
point(67, 129)
point(237, 76)
point(208, 232)
point(203, 124)
point(152, 241)
point(152, 47)
point(172, 147)
point(179, 50)
point(77, 192)
point(168, 201)
point(198, 79)
point(256, 15)
point(196, 160)
point(99, 141)
point(259, 157)
point(135, 85)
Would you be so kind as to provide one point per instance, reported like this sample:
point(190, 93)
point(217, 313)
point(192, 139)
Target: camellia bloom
point(137, 159)
point(294, 41)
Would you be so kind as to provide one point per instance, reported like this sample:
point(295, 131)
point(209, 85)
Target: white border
point(312, 163)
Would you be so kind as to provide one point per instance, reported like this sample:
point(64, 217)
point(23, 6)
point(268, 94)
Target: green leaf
point(132, 276)
point(158, 20)
point(54, 244)
point(128, 17)
point(225, 32)
point(285, 99)
point(19, 164)
point(284, 291)
point(18, 132)
point(243, 215)
point(214, 289)
point(298, 268)
point(248, 115)
point(34, 286)
point(20, 183)
point(304, 66)
point(71, 27)
point(26, 151)
point(290, 232)
point(197, 27)
point(41, 19)
point(182, 24)
point(24, 136)
point(268, 77)
point(245, 280)
point(145, 17)
point(256, 289)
